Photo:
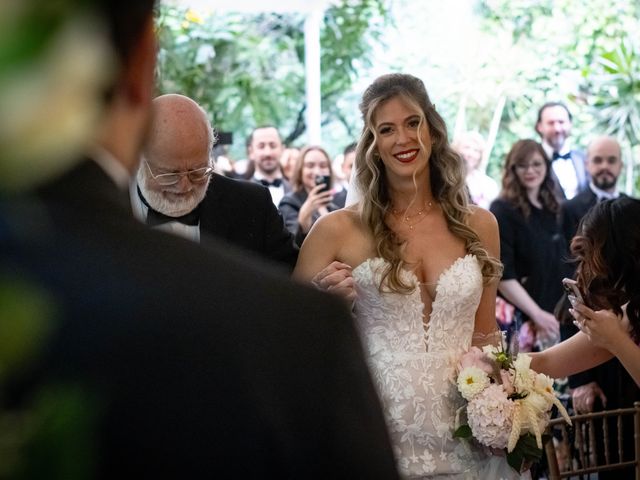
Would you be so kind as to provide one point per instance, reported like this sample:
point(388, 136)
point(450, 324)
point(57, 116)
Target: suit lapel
point(215, 219)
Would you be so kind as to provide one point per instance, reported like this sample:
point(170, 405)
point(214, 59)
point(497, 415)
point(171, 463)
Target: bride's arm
point(320, 248)
point(486, 329)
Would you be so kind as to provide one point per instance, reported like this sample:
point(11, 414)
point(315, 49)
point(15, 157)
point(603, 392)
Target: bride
point(424, 275)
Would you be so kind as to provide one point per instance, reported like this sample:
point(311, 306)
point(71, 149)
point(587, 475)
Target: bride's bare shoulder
point(338, 223)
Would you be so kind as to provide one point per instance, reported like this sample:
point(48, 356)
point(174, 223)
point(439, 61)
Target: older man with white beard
point(177, 190)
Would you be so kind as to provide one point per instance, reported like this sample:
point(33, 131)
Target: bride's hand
point(336, 278)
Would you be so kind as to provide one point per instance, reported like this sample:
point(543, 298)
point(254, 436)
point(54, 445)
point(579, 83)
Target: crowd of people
point(184, 332)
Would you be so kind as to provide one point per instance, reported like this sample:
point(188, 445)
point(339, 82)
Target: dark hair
point(126, 20)
point(608, 250)
point(350, 148)
point(549, 105)
point(250, 137)
point(514, 192)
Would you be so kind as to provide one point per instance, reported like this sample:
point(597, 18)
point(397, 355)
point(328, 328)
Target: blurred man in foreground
point(137, 353)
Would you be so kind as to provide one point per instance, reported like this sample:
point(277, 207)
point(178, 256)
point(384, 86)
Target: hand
point(547, 327)
point(604, 328)
point(316, 200)
point(584, 396)
point(336, 278)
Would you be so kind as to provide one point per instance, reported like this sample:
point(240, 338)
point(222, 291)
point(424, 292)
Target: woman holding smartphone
point(607, 248)
point(312, 194)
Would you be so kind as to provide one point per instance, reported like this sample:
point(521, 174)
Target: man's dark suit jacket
point(190, 364)
point(572, 211)
point(242, 213)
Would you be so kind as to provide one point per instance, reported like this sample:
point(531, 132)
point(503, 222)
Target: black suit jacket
point(572, 211)
point(242, 213)
point(174, 360)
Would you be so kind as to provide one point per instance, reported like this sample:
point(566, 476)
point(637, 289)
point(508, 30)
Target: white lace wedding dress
point(413, 367)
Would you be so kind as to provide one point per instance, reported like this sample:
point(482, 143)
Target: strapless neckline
point(410, 275)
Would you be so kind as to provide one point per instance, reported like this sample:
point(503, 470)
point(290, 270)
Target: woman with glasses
point(531, 246)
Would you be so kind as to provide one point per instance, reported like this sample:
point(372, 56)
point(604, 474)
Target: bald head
point(604, 162)
point(179, 142)
point(179, 129)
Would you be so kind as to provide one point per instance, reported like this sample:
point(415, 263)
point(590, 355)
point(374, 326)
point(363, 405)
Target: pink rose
point(476, 358)
point(507, 381)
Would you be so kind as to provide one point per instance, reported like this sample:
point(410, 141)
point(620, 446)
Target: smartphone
point(323, 179)
point(571, 287)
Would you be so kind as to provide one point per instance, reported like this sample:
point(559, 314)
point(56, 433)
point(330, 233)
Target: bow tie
point(276, 182)
point(155, 218)
point(556, 155)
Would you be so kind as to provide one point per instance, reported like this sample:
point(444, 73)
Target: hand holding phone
point(571, 287)
point(323, 180)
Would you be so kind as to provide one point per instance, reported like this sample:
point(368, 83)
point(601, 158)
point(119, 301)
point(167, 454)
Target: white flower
point(524, 376)
point(50, 103)
point(471, 381)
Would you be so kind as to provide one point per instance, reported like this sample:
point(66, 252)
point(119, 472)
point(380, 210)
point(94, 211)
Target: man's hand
point(584, 396)
point(336, 278)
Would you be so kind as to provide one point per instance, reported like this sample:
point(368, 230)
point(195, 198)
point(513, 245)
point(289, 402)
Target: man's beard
point(605, 182)
point(273, 165)
point(173, 208)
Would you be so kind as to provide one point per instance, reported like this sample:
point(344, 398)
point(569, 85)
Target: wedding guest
point(310, 198)
point(604, 165)
point(554, 127)
point(136, 353)
point(591, 389)
point(264, 148)
point(607, 247)
point(177, 191)
point(531, 247)
point(482, 188)
point(348, 157)
point(288, 161)
point(421, 265)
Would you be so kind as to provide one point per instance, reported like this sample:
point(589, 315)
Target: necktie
point(155, 218)
point(565, 156)
point(276, 182)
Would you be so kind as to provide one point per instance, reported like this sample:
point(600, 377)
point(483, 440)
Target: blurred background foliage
point(248, 70)
point(513, 55)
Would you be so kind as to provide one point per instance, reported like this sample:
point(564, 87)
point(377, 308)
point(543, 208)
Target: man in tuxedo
point(264, 147)
point(177, 190)
point(604, 165)
point(608, 385)
point(554, 127)
point(143, 354)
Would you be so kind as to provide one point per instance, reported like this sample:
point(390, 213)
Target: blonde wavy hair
point(446, 174)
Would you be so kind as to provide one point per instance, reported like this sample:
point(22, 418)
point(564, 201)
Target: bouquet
point(508, 405)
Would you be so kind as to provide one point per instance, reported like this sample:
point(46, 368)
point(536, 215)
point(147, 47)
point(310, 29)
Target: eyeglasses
point(523, 167)
point(199, 175)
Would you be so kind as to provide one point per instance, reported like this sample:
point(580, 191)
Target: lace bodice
point(413, 365)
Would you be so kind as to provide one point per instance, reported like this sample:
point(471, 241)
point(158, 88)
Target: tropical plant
point(248, 69)
point(613, 84)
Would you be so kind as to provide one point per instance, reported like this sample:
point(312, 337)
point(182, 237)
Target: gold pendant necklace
point(421, 214)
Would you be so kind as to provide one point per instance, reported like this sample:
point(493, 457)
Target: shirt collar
point(548, 149)
point(111, 166)
point(603, 195)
